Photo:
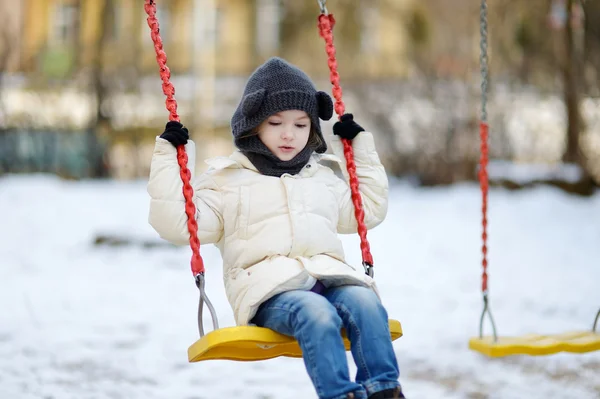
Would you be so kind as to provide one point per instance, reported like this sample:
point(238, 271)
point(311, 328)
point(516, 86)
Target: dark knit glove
point(176, 134)
point(346, 128)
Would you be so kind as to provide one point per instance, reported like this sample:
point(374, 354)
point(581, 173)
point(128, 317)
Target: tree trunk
point(77, 44)
point(571, 92)
point(97, 163)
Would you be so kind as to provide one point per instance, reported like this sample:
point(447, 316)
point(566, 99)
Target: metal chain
point(483, 174)
point(323, 6)
point(484, 134)
point(483, 58)
point(197, 263)
point(326, 23)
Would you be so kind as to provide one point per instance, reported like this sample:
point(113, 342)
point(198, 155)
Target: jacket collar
point(238, 160)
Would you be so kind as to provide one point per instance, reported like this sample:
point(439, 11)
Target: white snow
point(524, 173)
point(84, 321)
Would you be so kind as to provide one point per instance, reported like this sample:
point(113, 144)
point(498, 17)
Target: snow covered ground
point(84, 321)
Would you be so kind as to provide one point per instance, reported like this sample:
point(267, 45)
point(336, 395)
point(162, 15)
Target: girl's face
point(285, 133)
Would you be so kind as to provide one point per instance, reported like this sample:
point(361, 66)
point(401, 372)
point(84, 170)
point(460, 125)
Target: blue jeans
point(315, 321)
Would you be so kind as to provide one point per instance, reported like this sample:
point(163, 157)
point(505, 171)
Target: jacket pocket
point(243, 212)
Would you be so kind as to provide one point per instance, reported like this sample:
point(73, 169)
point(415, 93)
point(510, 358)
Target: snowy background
point(82, 320)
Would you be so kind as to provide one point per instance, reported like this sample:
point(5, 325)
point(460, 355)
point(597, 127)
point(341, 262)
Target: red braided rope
point(182, 158)
point(484, 184)
point(326, 23)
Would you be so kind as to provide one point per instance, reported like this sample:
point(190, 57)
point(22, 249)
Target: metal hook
point(486, 309)
point(369, 269)
point(200, 282)
point(323, 7)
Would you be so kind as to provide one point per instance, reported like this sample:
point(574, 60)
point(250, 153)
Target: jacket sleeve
point(373, 184)
point(167, 205)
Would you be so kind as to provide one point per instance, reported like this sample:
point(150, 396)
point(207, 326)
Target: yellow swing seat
point(537, 345)
point(581, 341)
point(251, 343)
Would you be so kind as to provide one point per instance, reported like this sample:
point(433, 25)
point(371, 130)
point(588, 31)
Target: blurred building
point(57, 47)
point(238, 33)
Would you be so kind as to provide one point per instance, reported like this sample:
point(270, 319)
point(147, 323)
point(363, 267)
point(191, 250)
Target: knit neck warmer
point(267, 163)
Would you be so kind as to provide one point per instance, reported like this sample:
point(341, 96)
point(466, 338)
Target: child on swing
point(275, 213)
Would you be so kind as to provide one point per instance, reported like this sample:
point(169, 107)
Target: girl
point(274, 213)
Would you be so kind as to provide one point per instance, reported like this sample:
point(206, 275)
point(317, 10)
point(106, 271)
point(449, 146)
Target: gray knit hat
point(279, 86)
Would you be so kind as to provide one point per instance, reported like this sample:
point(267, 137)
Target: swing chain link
point(323, 6)
point(369, 271)
point(483, 59)
point(488, 310)
point(200, 283)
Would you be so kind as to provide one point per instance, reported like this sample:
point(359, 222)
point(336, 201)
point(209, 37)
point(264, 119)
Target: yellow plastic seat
point(250, 343)
point(537, 345)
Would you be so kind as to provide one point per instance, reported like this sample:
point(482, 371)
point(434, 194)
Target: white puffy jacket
point(274, 234)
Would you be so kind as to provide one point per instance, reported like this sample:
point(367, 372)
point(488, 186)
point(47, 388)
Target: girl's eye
point(300, 126)
point(272, 123)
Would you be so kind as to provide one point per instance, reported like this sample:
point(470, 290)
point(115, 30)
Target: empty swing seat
point(537, 345)
point(251, 343)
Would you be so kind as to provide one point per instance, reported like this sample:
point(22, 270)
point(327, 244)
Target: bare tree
point(570, 68)
point(6, 49)
point(99, 86)
point(592, 46)
point(9, 36)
